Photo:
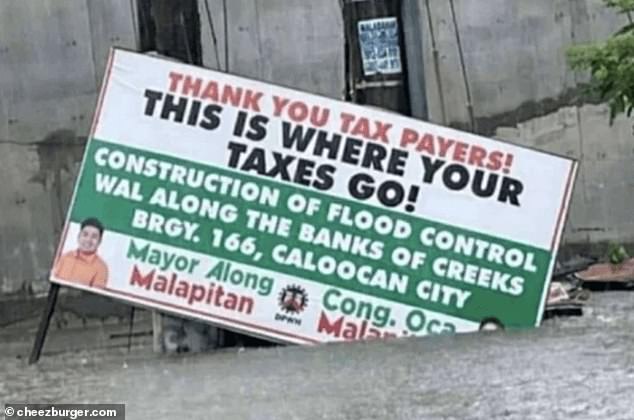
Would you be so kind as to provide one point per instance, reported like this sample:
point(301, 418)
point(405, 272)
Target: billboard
point(301, 218)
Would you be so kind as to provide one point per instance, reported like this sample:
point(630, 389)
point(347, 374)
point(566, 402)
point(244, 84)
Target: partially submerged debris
point(573, 280)
point(607, 276)
point(563, 302)
point(571, 266)
point(566, 297)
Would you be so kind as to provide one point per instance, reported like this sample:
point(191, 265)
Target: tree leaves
point(623, 6)
point(611, 65)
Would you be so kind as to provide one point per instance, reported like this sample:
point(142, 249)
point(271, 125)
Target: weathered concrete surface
point(52, 58)
point(36, 188)
point(112, 23)
point(514, 56)
point(601, 208)
point(523, 90)
point(293, 43)
point(40, 90)
point(573, 369)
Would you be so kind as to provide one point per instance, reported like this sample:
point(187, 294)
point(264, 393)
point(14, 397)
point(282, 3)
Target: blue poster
point(380, 52)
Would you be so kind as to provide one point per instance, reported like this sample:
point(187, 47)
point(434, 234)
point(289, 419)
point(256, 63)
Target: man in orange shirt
point(83, 265)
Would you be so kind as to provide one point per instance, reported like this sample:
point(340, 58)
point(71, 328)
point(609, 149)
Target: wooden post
point(132, 308)
point(376, 62)
point(157, 332)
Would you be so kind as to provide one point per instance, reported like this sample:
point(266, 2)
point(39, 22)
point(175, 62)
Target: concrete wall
point(52, 57)
point(522, 90)
point(295, 43)
point(601, 209)
point(514, 56)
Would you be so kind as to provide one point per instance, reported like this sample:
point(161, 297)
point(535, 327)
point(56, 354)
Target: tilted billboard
point(301, 218)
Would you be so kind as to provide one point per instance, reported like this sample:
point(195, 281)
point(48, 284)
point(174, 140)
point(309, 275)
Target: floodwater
point(570, 368)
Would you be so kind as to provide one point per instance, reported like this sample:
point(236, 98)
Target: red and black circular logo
point(293, 299)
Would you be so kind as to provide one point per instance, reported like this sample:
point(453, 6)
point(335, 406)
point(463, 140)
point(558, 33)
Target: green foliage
point(617, 254)
point(623, 6)
point(611, 64)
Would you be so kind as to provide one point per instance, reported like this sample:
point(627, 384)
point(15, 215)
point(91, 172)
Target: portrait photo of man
point(83, 265)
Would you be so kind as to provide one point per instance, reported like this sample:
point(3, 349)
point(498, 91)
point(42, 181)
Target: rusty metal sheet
point(606, 272)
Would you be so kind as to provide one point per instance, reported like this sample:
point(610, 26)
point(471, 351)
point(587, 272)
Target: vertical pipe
point(411, 15)
point(212, 29)
point(225, 20)
point(434, 47)
point(463, 68)
point(135, 24)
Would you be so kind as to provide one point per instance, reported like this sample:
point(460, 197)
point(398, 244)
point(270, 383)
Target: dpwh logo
point(292, 300)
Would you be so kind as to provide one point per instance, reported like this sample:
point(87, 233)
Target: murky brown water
point(574, 368)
